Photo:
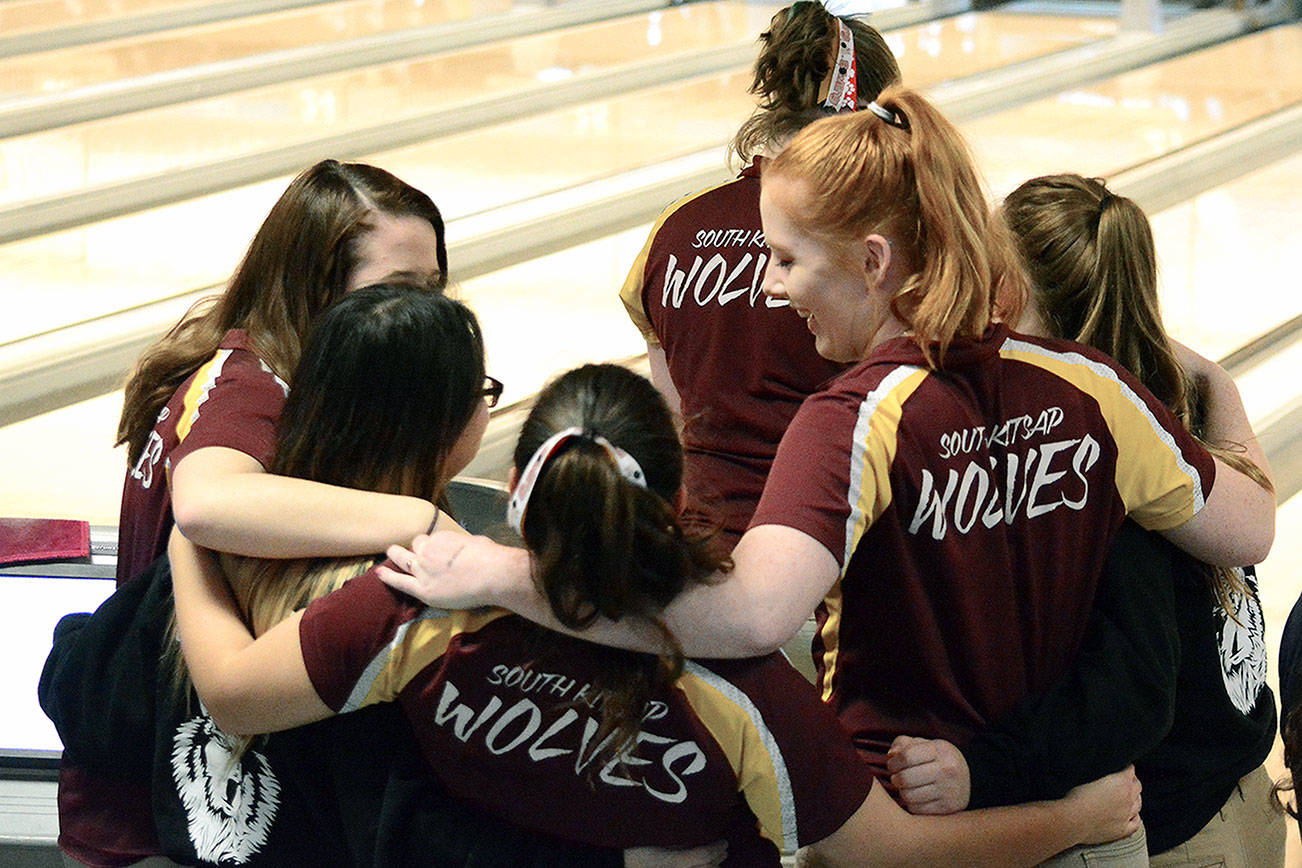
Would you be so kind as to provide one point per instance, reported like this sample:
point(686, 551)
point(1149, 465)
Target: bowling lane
point(131, 260)
point(46, 163)
point(27, 16)
point(1102, 128)
point(99, 63)
point(1228, 264)
point(575, 48)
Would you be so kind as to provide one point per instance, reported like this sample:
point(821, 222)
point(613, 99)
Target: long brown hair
point(1092, 265)
point(796, 55)
point(602, 545)
point(298, 264)
point(911, 179)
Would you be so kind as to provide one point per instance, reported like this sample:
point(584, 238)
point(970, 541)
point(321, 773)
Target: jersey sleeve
point(363, 643)
point(830, 478)
point(233, 401)
point(795, 766)
point(631, 293)
point(1163, 474)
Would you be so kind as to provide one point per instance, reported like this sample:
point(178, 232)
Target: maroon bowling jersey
point(971, 510)
point(232, 400)
point(507, 715)
point(741, 363)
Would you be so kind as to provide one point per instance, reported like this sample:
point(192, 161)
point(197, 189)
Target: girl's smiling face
point(825, 281)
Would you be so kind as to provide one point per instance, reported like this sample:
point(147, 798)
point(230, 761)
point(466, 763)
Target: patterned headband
point(627, 465)
point(843, 82)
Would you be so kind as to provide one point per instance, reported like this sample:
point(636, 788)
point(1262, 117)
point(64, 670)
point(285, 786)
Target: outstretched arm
point(881, 833)
point(779, 576)
point(224, 500)
point(1237, 525)
point(247, 686)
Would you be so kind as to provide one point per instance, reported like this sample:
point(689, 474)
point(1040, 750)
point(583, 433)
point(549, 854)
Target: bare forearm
point(882, 834)
point(780, 575)
point(247, 512)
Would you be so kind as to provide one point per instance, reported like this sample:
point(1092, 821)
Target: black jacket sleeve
point(1113, 706)
point(100, 678)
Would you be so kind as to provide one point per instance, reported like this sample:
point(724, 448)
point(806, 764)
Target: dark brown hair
point(298, 264)
point(913, 181)
point(1092, 265)
point(387, 383)
point(602, 545)
point(796, 55)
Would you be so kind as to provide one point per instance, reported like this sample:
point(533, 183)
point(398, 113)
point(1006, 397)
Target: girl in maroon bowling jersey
point(946, 503)
point(574, 740)
point(199, 420)
point(734, 367)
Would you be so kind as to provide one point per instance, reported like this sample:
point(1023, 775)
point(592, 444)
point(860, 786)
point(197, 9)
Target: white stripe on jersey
point(730, 692)
point(1107, 373)
point(859, 452)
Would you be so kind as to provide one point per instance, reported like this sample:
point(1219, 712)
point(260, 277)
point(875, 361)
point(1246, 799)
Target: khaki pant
point(1247, 832)
point(1129, 852)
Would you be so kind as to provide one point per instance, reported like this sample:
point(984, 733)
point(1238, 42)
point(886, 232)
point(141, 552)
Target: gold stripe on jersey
point(631, 293)
point(204, 380)
point(756, 759)
point(415, 645)
point(872, 452)
point(1159, 494)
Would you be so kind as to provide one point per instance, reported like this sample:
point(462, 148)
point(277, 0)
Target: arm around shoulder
point(223, 499)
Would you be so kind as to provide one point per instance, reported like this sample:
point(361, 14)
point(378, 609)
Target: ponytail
point(907, 174)
point(795, 58)
point(602, 544)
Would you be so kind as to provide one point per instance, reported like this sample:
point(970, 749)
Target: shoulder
point(699, 208)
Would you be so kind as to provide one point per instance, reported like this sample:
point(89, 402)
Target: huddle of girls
point(954, 588)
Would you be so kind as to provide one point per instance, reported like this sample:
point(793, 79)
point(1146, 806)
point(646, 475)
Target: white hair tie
point(625, 463)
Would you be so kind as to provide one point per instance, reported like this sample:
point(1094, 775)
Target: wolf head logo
point(230, 801)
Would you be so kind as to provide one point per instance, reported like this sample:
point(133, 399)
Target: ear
point(877, 258)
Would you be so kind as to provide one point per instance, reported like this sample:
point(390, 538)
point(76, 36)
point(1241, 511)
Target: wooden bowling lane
point(574, 48)
point(484, 169)
point(132, 260)
point(26, 16)
point(1102, 128)
point(1227, 266)
point(279, 115)
point(697, 115)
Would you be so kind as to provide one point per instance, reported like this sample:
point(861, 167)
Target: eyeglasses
point(492, 391)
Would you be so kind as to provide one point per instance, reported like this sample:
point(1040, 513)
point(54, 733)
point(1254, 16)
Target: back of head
point(901, 170)
point(387, 383)
point(1093, 271)
point(300, 261)
point(604, 544)
point(389, 379)
point(796, 59)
